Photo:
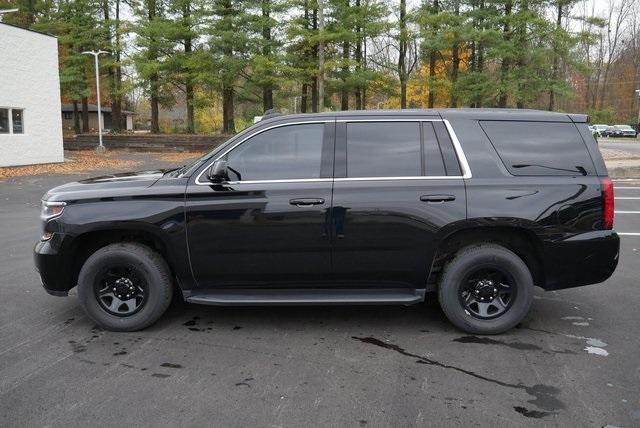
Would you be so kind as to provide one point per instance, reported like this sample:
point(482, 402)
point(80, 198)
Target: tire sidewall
point(467, 261)
point(139, 257)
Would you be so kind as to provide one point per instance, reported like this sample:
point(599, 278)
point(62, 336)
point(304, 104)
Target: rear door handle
point(437, 198)
point(306, 202)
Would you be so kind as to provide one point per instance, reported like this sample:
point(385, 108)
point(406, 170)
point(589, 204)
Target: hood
point(107, 186)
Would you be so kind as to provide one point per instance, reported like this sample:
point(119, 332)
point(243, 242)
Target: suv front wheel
point(486, 289)
point(125, 287)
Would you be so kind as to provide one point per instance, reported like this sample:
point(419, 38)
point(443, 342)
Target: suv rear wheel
point(486, 289)
point(125, 287)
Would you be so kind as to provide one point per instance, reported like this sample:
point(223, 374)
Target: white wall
point(29, 80)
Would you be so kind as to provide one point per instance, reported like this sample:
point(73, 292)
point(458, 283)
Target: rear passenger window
point(383, 149)
point(539, 148)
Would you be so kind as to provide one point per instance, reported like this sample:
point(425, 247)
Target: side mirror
point(218, 171)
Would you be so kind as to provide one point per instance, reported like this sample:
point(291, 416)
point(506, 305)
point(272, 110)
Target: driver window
point(286, 152)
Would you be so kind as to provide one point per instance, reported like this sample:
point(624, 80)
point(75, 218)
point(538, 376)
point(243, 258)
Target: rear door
point(398, 184)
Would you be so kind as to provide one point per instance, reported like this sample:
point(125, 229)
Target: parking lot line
point(627, 212)
point(627, 197)
point(629, 233)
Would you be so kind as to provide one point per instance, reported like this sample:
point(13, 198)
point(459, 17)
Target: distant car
point(622, 131)
point(599, 129)
point(594, 132)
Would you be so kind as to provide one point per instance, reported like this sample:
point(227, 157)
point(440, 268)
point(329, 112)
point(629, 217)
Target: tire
point(458, 278)
point(149, 275)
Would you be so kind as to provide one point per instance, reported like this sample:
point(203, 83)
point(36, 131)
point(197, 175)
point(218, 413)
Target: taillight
point(607, 203)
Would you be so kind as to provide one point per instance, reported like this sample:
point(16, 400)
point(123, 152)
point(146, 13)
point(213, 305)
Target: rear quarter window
point(539, 148)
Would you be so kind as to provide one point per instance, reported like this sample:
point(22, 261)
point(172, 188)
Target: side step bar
point(327, 296)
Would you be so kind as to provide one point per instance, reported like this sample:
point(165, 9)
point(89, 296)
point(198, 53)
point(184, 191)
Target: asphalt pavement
point(574, 361)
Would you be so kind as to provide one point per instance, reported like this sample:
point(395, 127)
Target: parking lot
point(573, 362)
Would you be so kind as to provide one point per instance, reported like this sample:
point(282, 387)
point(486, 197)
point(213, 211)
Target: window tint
point(539, 148)
point(4, 121)
point(16, 120)
point(433, 164)
point(383, 149)
point(287, 152)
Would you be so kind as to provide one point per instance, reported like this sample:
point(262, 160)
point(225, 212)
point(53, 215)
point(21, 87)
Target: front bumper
point(587, 258)
point(52, 265)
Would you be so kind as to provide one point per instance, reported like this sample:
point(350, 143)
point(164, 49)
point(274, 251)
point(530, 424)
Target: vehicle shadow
point(425, 317)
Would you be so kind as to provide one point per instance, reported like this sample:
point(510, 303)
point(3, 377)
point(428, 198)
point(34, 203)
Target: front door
point(266, 225)
point(396, 187)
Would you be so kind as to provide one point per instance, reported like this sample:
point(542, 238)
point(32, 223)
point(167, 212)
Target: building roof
point(28, 29)
point(93, 108)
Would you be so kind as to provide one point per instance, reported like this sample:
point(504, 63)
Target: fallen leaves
point(74, 162)
point(181, 157)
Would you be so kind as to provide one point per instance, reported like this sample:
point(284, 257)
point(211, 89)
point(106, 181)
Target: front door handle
point(306, 202)
point(437, 198)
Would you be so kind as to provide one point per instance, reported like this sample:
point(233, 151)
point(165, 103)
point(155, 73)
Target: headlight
point(51, 210)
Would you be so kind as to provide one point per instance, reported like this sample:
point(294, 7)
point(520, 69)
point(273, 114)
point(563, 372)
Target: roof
point(28, 29)
point(93, 108)
point(464, 113)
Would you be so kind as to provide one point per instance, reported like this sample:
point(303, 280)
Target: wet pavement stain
point(545, 395)
point(115, 354)
point(487, 341)
point(530, 413)
point(171, 365)
point(238, 327)
point(160, 375)
point(77, 347)
point(190, 323)
point(245, 382)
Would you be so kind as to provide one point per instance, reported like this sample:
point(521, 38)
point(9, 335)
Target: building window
point(4, 120)
point(17, 120)
point(11, 120)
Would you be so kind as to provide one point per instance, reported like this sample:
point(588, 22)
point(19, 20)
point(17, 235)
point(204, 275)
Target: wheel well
point(87, 244)
point(522, 242)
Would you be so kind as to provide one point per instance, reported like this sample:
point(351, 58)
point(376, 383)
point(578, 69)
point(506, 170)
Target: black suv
point(345, 208)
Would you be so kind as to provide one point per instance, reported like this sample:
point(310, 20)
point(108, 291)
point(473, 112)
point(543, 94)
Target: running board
point(368, 296)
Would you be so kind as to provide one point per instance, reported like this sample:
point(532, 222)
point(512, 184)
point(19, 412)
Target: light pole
point(100, 148)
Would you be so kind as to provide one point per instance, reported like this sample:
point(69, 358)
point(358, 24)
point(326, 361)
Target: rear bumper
point(54, 269)
point(584, 259)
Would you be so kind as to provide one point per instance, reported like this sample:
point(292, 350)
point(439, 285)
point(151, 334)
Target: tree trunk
point(402, 54)
point(506, 60)
point(303, 98)
point(267, 90)
point(85, 114)
point(344, 96)
point(188, 86)
point(154, 86)
point(314, 84)
point(113, 72)
point(189, 95)
point(358, 57)
point(155, 105)
point(455, 60)
point(432, 66)
point(554, 75)
point(228, 123)
point(76, 118)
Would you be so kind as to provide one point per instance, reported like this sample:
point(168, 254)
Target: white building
point(30, 122)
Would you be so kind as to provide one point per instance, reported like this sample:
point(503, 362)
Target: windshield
point(626, 127)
